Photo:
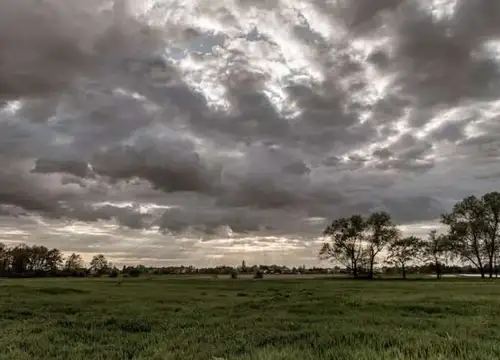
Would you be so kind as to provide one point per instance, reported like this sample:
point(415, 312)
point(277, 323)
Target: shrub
point(134, 272)
point(259, 274)
point(234, 275)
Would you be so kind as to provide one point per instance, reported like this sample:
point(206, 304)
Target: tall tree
point(402, 251)
point(20, 258)
point(99, 264)
point(381, 232)
point(74, 262)
point(467, 227)
point(54, 260)
point(4, 259)
point(436, 250)
point(347, 242)
point(491, 203)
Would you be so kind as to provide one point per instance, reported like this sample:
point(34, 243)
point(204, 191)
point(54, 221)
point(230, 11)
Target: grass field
point(164, 318)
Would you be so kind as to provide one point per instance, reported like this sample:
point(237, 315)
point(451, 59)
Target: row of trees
point(38, 260)
point(472, 238)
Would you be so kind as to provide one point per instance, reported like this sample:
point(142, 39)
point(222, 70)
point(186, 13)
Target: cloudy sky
point(208, 132)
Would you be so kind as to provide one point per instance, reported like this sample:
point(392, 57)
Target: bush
point(134, 272)
point(234, 275)
point(114, 273)
point(259, 274)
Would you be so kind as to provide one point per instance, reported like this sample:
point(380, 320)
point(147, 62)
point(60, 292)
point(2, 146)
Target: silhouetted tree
point(20, 258)
point(99, 264)
point(436, 250)
point(467, 227)
point(402, 251)
point(74, 265)
point(381, 232)
point(491, 203)
point(41, 259)
point(4, 259)
point(347, 242)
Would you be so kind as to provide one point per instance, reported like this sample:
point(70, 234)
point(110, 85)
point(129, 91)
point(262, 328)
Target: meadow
point(214, 319)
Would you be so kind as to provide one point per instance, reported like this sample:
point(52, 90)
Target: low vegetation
point(179, 318)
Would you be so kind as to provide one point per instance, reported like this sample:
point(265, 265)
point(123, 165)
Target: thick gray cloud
point(46, 46)
point(245, 118)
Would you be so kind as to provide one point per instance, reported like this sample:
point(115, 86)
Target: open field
point(165, 318)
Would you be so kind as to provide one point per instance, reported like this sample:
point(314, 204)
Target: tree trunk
point(438, 270)
point(496, 266)
point(479, 262)
point(370, 275)
point(354, 265)
point(404, 271)
point(490, 270)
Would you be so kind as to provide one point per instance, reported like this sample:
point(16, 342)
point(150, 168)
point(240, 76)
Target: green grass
point(164, 318)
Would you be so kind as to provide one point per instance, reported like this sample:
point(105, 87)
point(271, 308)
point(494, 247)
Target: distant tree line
point(470, 244)
point(39, 261)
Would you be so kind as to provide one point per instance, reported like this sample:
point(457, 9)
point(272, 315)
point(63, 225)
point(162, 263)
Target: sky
point(192, 132)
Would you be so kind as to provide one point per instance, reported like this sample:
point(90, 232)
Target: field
point(295, 319)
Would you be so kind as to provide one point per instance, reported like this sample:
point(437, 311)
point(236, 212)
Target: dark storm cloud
point(444, 61)
point(46, 45)
point(365, 103)
point(47, 166)
point(169, 163)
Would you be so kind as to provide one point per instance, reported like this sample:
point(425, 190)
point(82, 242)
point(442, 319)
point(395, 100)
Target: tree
point(467, 223)
point(436, 250)
point(114, 272)
point(20, 257)
point(54, 260)
point(347, 243)
point(99, 264)
point(4, 259)
point(402, 251)
point(74, 262)
point(491, 203)
point(382, 231)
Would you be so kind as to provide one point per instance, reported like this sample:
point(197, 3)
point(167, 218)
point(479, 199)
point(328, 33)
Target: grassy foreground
point(166, 319)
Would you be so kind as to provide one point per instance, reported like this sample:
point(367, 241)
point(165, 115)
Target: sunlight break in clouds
point(205, 133)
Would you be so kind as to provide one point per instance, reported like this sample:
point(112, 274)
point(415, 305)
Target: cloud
point(245, 117)
point(46, 46)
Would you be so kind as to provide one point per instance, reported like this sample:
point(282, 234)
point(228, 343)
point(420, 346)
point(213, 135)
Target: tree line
point(360, 243)
point(37, 260)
